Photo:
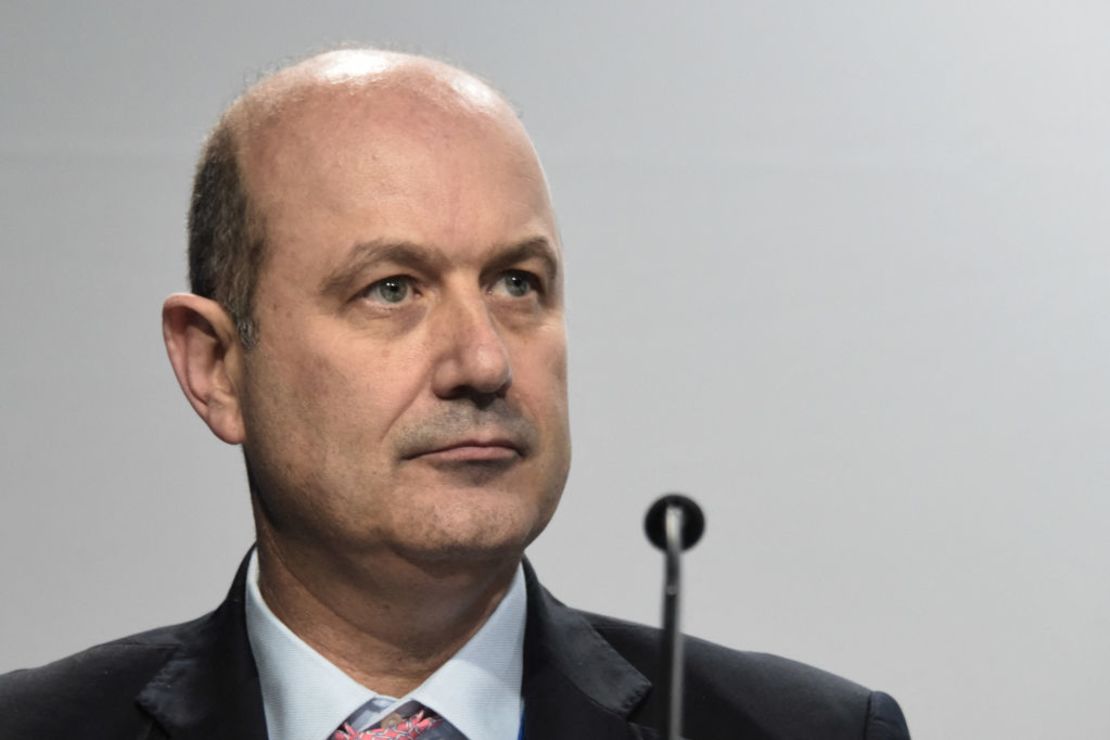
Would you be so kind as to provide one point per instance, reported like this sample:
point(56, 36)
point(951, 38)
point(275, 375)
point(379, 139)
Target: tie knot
point(393, 727)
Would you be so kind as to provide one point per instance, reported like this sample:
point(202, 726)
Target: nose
point(473, 361)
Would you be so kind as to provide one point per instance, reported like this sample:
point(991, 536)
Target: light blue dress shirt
point(307, 697)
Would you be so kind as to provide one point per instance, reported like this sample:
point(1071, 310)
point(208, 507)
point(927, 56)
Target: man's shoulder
point(640, 645)
point(758, 689)
point(102, 681)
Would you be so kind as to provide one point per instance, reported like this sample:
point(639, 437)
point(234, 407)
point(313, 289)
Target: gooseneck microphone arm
point(673, 523)
point(672, 624)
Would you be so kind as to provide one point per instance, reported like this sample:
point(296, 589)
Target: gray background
point(839, 270)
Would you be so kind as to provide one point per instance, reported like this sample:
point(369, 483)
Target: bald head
point(317, 112)
point(370, 71)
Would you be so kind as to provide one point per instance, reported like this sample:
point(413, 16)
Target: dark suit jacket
point(584, 679)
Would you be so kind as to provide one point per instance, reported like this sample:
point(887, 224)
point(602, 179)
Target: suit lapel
point(209, 687)
point(575, 683)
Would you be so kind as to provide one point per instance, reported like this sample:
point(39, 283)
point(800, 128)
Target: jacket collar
point(575, 683)
point(209, 686)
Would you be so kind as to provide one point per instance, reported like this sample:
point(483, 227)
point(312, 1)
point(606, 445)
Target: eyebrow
point(365, 255)
point(535, 248)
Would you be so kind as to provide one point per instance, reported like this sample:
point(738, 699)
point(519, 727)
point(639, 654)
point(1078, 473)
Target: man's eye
point(517, 283)
point(389, 290)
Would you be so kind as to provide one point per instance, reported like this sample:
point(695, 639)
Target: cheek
point(308, 395)
point(540, 377)
point(372, 390)
point(555, 360)
point(318, 427)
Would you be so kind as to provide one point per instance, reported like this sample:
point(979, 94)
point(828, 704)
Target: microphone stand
point(674, 523)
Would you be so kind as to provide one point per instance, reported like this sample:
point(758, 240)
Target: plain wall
point(838, 270)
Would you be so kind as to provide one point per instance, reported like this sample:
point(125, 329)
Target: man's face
point(408, 391)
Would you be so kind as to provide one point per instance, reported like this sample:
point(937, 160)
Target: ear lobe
point(205, 352)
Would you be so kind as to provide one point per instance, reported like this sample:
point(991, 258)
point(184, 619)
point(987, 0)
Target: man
point(377, 318)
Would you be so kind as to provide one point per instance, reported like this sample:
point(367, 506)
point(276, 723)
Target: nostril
point(484, 400)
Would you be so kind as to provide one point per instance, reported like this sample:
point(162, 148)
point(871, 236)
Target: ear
point(206, 355)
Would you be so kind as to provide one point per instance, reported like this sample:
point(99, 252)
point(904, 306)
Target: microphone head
point(693, 521)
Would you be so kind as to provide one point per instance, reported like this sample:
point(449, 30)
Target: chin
point(460, 554)
point(473, 533)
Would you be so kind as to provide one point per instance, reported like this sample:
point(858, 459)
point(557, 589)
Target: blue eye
point(518, 283)
point(390, 290)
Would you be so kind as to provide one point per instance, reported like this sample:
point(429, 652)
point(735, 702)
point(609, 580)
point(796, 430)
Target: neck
point(389, 623)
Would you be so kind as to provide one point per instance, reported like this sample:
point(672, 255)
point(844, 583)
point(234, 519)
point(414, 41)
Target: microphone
point(673, 523)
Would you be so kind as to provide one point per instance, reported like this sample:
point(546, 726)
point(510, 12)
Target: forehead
point(339, 164)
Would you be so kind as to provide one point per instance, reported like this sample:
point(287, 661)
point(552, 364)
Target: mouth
point(471, 451)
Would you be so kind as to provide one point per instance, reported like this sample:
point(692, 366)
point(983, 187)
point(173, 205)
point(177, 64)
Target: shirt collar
point(306, 697)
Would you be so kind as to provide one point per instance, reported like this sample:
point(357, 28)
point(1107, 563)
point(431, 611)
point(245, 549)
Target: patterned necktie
point(392, 727)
